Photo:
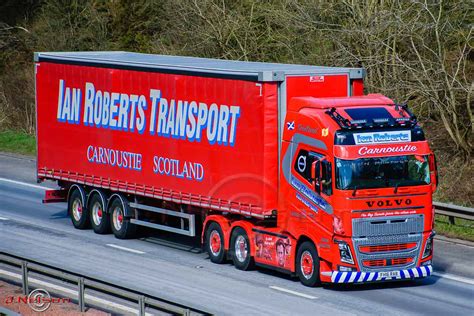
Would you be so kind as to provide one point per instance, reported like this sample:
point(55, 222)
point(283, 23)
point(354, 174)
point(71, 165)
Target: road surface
point(174, 267)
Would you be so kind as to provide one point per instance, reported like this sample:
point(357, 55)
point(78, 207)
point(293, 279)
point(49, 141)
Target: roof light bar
point(376, 122)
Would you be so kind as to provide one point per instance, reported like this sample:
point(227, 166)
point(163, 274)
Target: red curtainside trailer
point(254, 154)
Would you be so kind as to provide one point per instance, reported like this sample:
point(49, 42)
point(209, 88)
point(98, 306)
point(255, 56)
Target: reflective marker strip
point(423, 271)
point(371, 276)
point(366, 277)
point(356, 277)
point(343, 277)
point(430, 268)
point(415, 271)
point(352, 277)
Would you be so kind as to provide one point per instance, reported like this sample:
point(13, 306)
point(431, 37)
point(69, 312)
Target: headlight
point(428, 247)
point(345, 251)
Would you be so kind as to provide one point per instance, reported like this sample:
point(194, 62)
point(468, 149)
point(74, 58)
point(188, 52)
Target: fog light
point(344, 251)
point(346, 269)
point(426, 263)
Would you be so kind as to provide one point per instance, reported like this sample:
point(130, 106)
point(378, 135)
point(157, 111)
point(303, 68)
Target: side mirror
point(326, 175)
point(316, 174)
point(433, 171)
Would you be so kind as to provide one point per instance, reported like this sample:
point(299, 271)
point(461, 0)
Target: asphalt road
point(173, 267)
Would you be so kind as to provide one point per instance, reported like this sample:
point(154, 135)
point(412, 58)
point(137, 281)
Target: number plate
point(389, 274)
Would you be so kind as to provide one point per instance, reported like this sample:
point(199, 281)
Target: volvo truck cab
point(372, 175)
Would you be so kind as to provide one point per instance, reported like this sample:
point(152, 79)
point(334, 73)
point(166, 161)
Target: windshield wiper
point(355, 190)
point(396, 187)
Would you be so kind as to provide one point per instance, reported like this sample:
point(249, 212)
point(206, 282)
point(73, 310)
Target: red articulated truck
point(289, 167)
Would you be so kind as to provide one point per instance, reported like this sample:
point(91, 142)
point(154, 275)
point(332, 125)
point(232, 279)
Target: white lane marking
point(454, 277)
point(3, 219)
point(126, 249)
point(292, 292)
point(72, 293)
point(24, 184)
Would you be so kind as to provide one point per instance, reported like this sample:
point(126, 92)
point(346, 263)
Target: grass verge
point(462, 229)
point(17, 142)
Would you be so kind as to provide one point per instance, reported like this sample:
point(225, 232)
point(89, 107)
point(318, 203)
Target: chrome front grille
point(365, 227)
point(384, 232)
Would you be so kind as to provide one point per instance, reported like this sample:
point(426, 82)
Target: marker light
point(337, 225)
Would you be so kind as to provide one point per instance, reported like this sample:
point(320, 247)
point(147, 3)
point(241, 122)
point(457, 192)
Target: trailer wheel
point(215, 243)
point(240, 248)
point(98, 217)
point(77, 208)
point(121, 225)
point(307, 264)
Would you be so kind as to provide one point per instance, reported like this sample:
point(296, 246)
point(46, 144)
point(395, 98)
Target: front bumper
point(362, 277)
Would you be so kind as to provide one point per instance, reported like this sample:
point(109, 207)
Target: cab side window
point(303, 163)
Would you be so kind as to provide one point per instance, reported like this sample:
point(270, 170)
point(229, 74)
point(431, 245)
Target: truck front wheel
point(77, 209)
point(121, 225)
point(215, 243)
point(240, 246)
point(307, 264)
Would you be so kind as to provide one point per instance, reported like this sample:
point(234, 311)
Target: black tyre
point(215, 243)
point(77, 208)
point(121, 225)
point(99, 219)
point(240, 249)
point(307, 264)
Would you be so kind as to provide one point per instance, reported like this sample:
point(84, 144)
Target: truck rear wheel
point(240, 246)
point(307, 264)
point(121, 225)
point(215, 243)
point(77, 208)
point(100, 222)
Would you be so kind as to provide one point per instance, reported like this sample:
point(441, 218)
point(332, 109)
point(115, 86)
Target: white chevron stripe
point(343, 277)
point(353, 275)
point(415, 272)
point(424, 271)
point(371, 276)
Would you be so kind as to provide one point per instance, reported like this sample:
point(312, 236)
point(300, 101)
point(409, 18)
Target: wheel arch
point(247, 227)
point(82, 191)
point(102, 196)
point(301, 240)
point(124, 201)
point(223, 222)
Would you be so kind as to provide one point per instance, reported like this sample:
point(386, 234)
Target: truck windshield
point(382, 172)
